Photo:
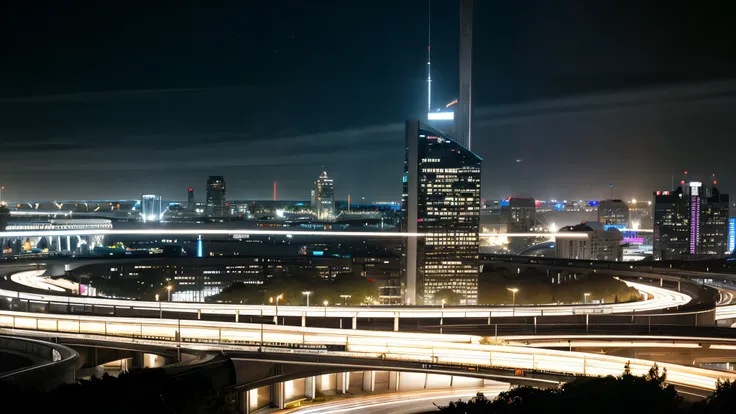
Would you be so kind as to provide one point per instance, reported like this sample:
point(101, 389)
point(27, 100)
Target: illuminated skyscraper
point(190, 199)
point(216, 201)
point(613, 214)
point(441, 199)
point(731, 235)
point(691, 221)
point(151, 207)
point(464, 106)
point(324, 197)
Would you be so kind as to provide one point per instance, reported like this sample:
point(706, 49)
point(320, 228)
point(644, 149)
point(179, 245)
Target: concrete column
point(277, 395)
point(58, 243)
point(369, 381)
point(237, 316)
point(678, 285)
point(396, 321)
point(310, 387)
point(199, 313)
point(355, 322)
point(244, 402)
point(394, 379)
point(138, 360)
point(661, 282)
point(68, 243)
point(304, 319)
point(343, 382)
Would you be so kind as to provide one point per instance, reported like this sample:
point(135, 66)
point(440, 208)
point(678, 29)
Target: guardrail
point(58, 366)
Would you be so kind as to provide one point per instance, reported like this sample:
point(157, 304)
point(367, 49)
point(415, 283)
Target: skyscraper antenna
point(429, 56)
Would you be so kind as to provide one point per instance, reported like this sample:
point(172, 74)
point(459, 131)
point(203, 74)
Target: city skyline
point(613, 115)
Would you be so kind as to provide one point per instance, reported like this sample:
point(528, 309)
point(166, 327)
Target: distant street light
point(442, 315)
point(307, 294)
point(271, 300)
point(169, 289)
point(157, 297)
point(513, 300)
point(325, 303)
point(585, 298)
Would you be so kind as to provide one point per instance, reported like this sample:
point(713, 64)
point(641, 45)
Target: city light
point(441, 116)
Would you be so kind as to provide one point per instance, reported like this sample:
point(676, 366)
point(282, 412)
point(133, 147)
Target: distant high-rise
point(519, 216)
point(613, 214)
point(4, 217)
point(465, 101)
point(691, 221)
point(324, 197)
point(190, 198)
point(216, 201)
point(441, 200)
point(151, 207)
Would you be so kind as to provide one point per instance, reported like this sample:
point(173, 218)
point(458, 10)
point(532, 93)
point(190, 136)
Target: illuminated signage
point(440, 116)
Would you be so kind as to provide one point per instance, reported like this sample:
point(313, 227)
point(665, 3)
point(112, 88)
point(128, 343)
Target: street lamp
point(157, 297)
point(307, 295)
point(585, 298)
point(271, 300)
point(513, 300)
point(345, 299)
point(325, 303)
point(169, 289)
point(442, 314)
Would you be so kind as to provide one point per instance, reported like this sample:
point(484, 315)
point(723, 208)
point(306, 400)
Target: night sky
point(107, 101)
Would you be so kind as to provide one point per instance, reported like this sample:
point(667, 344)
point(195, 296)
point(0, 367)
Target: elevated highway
point(51, 364)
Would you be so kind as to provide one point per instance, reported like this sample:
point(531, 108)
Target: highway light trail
point(659, 298)
point(454, 350)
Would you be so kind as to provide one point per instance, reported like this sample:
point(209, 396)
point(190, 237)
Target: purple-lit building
point(690, 222)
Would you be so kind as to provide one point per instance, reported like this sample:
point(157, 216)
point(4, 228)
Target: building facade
point(613, 214)
point(216, 196)
point(324, 197)
point(519, 214)
point(190, 198)
point(690, 222)
point(441, 200)
point(151, 209)
point(601, 244)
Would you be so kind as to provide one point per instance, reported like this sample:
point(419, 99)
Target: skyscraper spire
point(429, 56)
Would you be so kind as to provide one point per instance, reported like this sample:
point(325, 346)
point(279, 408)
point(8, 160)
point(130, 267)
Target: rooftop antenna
point(429, 56)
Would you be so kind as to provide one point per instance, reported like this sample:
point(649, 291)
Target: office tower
point(441, 200)
point(151, 207)
point(216, 201)
point(690, 222)
point(324, 197)
point(613, 214)
point(731, 235)
point(190, 199)
point(4, 216)
point(313, 200)
point(464, 107)
point(601, 243)
point(519, 216)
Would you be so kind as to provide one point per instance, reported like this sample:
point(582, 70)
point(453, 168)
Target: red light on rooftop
point(191, 189)
point(685, 172)
point(682, 182)
point(715, 182)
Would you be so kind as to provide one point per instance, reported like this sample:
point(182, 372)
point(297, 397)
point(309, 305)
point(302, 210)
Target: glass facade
point(441, 199)
point(216, 204)
point(324, 197)
point(690, 223)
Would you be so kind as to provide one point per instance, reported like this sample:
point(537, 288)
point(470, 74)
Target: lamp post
point(276, 299)
point(585, 298)
point(442, 314)
point(513, 300)
point(307, 294)
point(169, 289)
point(325, 303)
point(345, 299)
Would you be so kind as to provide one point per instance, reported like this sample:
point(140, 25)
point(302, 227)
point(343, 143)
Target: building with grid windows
point(441, 200)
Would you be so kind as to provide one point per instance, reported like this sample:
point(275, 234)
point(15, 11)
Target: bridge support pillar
point(310, 387)
point(394, 379)
point(355, 322)
point(678, 285)
point(199, 313)
point(237, 316)
point(277, 395)
point(244, 402)
point(661, 282)
point(304, 319)
point(343, 382)
point(369, 381)
point(396, 321)
point(139, 360)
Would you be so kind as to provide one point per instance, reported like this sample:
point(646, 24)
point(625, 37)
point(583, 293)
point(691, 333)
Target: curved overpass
point(52, 364)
